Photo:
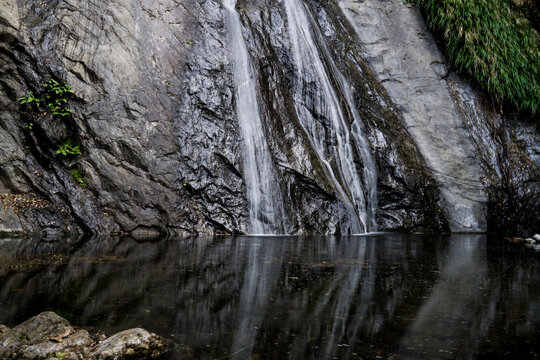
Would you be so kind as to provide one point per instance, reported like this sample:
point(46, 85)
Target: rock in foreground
point(49, 336)
point(131, 344)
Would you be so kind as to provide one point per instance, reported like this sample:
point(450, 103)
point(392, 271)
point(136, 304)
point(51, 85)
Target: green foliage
point(30, 100)
point(492, 42)
point(530, 9)
point(56, 94)
point(56, 98)
point(78, 177)
point(68, 148)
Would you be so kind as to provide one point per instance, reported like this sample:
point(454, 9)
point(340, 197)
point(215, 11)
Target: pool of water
point(360, 297)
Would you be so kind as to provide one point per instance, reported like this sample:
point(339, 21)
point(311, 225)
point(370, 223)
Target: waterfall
point(322, 115)
point(266, 210)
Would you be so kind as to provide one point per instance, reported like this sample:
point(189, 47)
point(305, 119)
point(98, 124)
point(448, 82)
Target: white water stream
point(266, 210)
point(315, 98)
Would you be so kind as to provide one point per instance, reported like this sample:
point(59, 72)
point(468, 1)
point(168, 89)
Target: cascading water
point(266, 210)
point(320, 111)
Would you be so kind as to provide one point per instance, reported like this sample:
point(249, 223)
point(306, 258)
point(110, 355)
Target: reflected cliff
point(288, 297)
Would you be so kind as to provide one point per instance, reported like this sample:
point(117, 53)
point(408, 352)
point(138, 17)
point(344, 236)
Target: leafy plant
point(68, 148)
point(78, 177)
point(56, 94)
point(30, 99)
point(493, 42)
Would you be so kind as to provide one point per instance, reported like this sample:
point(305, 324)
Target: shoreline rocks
point(49, 336)
point(532, 241)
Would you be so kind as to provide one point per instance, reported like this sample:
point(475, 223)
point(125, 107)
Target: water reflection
point(397, 296)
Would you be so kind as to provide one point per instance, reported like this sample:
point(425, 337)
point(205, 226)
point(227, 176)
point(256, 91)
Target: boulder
point(44, 336)
point(130, 344)
point(49, 336)
point(3, 329)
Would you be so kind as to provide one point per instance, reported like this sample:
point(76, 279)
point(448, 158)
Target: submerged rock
point(49, 336)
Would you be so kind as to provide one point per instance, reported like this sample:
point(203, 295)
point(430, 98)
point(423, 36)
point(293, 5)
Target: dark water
point(381, 296)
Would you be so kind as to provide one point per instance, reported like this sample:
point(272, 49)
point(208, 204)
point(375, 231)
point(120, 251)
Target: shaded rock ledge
point(49, 336)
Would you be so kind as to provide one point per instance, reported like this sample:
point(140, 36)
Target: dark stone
point(509, 171)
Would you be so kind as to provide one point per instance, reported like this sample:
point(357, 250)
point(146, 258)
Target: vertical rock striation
point(407, 62)
point(488, 180)
point(155, 115)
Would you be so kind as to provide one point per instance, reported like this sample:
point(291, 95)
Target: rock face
point(154, 114)
point(467, 146)
point(48, 336)
point(406, 60)
point(505, 150)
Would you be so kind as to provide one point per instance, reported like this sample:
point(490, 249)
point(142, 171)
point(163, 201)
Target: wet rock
point(530, 241)
point(145, 233)
point(129, 145)
point(154, 115)
point(3, 329)
point(527, 136)
point(516, 240)
point(10, 223)
point(510, 175)
point(536, 237)
point(42, 337)
point(49, 336)
point(408, 197)
point(132, 344)
point(407, 62)
point(160, 142)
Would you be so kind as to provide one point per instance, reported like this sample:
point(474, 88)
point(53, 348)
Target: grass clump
point(495, 43)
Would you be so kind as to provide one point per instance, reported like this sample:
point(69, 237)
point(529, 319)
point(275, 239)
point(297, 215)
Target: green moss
point(494, 42)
